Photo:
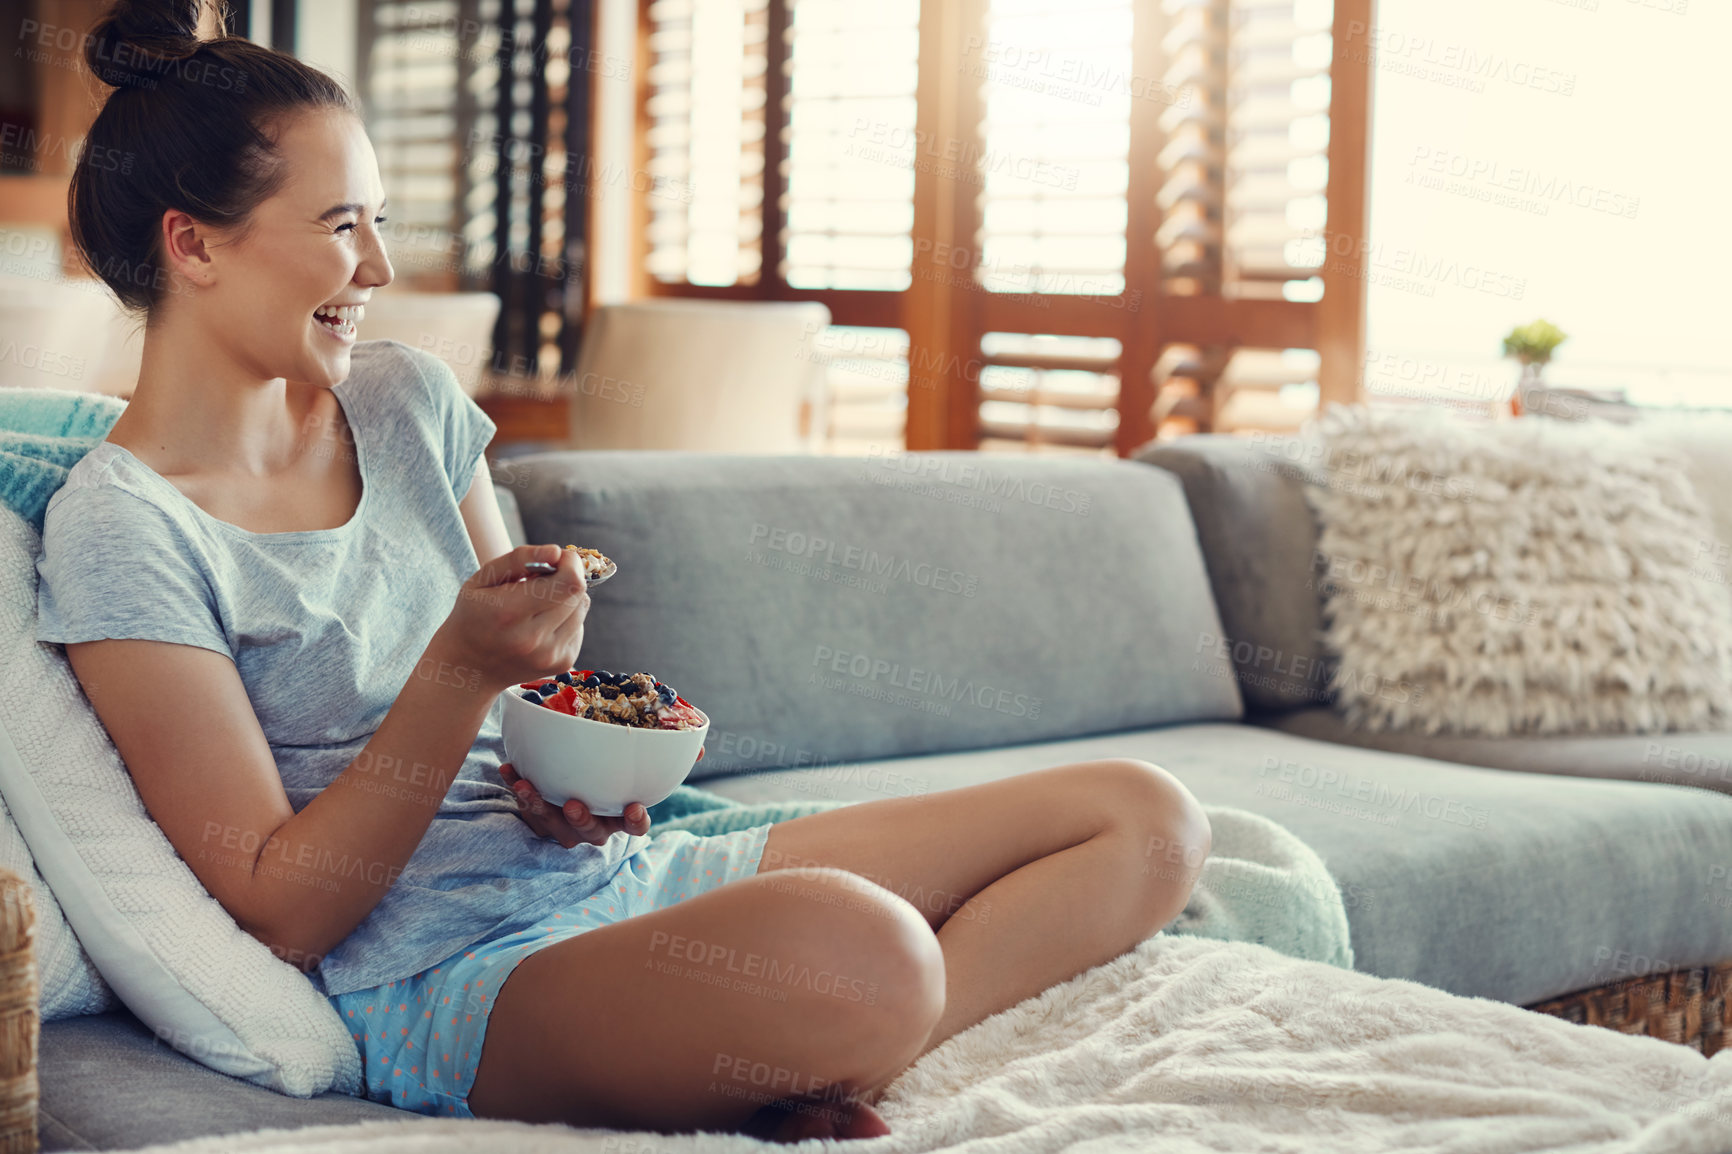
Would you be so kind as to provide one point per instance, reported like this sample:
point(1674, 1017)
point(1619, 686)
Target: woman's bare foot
point(797, 1119)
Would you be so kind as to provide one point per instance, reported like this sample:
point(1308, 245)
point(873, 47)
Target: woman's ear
point(184, 250)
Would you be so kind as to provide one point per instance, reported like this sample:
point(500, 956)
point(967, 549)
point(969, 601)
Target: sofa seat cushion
point(107, 1083)
point(1700, 759)
point(1484, 883)
point(819, 608)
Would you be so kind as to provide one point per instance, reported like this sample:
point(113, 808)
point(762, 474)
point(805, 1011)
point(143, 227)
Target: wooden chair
point(715, 376)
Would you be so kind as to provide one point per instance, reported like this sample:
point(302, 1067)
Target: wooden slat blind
point(706, 127)
point(851, 144)
point(1276, 156)
point(1115, 204)
point(1049, 393)
point(411, 71)
point(481, 125)
point(1057, 140)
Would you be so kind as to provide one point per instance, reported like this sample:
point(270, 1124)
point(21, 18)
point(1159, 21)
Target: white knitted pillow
point(168, 949)
point(69, 982)
point(1524, 577)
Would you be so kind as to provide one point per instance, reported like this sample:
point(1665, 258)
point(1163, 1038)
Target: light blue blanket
point(43, 433)
point(1261, 883)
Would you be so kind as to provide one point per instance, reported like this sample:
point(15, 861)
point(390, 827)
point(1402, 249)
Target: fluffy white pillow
point(168, 949)
point(1523, 577)
point(1702, 443)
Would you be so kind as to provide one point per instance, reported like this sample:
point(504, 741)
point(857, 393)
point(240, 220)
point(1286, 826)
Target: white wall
point(325, 35)
point(615, 117)
point(1563, 160)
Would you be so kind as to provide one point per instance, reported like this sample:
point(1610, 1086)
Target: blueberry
point(666, 694)
point(592, 681)
point(531, 696)
point(550, 689)
point(604, 675)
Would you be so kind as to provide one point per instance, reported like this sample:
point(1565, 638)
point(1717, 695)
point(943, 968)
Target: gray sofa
point(861, 628)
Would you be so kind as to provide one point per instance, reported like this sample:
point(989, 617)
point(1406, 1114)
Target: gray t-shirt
point(325, 627)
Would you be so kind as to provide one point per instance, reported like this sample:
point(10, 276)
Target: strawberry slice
point(681, 710)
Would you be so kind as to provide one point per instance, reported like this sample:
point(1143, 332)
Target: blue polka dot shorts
point(420, 1038)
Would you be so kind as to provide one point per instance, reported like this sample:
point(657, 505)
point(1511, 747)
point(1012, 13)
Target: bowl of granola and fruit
point(607, 739)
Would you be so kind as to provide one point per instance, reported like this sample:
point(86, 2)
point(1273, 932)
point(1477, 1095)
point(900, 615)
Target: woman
point(259, 580)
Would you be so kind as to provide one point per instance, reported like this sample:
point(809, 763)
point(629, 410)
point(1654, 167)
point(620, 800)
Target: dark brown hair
point(190, 125)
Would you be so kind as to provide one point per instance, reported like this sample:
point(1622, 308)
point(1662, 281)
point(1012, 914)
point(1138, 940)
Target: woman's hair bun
point(139, 41)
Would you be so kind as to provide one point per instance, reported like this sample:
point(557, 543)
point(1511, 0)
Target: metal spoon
point(543, 569)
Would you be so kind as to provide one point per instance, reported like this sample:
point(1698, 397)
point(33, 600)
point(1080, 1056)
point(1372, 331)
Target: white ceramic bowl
point(605, 766)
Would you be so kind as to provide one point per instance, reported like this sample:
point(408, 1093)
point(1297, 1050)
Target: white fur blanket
point(1185, 1045)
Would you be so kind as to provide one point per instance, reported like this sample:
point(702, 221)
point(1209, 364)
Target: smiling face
point(313, 247)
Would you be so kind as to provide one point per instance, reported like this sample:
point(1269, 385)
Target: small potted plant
point(1532, 344)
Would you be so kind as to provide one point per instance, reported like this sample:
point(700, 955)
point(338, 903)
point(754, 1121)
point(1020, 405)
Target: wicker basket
point(18, 1016)
point(1683, 1006)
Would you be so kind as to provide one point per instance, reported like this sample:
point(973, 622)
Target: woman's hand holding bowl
point(572, 822)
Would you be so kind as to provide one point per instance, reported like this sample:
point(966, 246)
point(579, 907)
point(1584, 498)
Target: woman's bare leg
point(1026, 881)
point(805, 984)
point(1029, 880)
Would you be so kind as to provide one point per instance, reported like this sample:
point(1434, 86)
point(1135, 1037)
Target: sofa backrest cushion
point(507, 500)
point(1259, 536)
point(828, 609)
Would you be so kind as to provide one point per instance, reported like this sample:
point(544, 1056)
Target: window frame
point(945, 324)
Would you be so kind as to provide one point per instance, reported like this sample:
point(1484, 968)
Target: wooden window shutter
point(479, 113)
point(1106, 222)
